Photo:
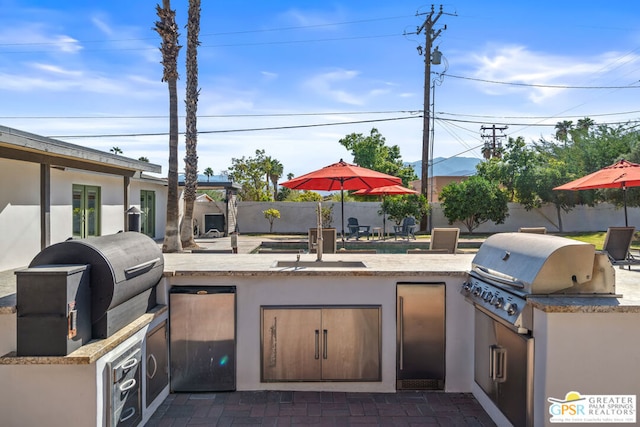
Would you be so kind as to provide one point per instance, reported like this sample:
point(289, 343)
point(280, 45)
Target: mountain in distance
point(449, 166)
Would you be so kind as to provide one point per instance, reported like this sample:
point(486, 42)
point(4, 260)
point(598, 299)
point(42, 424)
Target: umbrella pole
point(624, 197)
point(384, 220)
point(342, 211)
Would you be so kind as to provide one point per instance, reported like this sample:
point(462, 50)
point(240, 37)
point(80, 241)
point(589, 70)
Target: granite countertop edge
point(92, 351)
point(582, 305)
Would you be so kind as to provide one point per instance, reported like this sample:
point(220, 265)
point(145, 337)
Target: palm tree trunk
point(168, 31)
point(191, 136)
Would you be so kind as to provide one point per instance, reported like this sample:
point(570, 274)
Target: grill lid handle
point(140, 268)
point(481, 271)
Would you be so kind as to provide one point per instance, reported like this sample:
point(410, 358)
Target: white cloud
point(517, 64)
point(102, 26)
point(269, 75)
point(325, 85)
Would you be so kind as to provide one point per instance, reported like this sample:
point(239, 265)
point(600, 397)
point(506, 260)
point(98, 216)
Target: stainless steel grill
point(509, 269)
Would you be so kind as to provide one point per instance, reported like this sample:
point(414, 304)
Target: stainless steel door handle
point(273, 356)
point(324, 343)
point(401, 320)
point(498, 364)
point(317, 353)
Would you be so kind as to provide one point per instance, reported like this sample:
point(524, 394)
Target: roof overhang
point(215, 185)
point(28, 147)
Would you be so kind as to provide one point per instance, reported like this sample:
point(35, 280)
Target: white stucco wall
point(299, 217)
point(8, 333)
point(63, 395)
point(20, 207)
point(590, 353)
point(19, 212)
point(160, 190)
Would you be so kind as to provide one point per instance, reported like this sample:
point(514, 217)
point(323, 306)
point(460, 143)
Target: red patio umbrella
point(387, 190)
point(341, 176)
point(621, 174)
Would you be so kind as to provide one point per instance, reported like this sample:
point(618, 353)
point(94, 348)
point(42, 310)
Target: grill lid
point(536, 263)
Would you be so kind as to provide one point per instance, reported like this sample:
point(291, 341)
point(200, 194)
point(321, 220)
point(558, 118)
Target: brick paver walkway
point(297, 408)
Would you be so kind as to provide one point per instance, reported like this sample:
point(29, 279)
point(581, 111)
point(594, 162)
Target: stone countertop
point(92, 351)
point(408, 265)
point(262, 264)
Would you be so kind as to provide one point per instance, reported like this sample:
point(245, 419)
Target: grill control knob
point(467, 287)
point(477, 291)
point(511, 308)
point(497, 302)
point(488, 296)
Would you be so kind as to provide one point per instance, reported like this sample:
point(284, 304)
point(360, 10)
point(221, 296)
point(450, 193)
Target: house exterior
point(53, 190)
point(435, 184)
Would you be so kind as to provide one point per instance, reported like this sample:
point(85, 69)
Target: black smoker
point(79, 290)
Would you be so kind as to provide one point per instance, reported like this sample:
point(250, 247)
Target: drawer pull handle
point(151, 372)
point(128, 385)
point(128, 364)
point(130, 412)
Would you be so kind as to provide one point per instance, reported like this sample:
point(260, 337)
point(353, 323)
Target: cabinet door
point(351, 344)
point(157, 364)
point(291, 344)
point(420, 333)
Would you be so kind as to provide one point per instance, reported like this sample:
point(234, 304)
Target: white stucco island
point(586, 345)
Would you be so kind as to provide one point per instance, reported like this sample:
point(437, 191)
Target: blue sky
point(89, 72)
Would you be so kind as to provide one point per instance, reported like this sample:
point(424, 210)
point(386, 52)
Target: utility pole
point(492, 145)
point(430, 36)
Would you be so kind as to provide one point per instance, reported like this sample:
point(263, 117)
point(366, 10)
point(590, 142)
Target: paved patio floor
point(300, 408)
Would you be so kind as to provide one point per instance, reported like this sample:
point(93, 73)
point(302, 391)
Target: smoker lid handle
point(484, 272)
point(141, 268)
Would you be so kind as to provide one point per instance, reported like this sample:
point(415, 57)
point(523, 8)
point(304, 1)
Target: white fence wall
point(299, 217)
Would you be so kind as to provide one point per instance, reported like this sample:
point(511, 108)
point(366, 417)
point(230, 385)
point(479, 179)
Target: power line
point(237, 130)
point(266, 30)
point(328, 113)
point(540, 85)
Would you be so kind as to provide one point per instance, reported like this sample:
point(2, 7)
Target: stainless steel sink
point(318, 264)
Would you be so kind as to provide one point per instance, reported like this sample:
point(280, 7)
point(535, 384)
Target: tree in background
point(116, 150)
point(251, 173)
point(208, 172)
point(399, 207)
point(474, 202)
point(371, 152)
point(143, 159)
point(271, 215)
point(191, 133)
point(168, 31)
point(274, 171)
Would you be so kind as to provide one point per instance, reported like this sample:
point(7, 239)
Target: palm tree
point(562, 130)
point(208, 172)
point(116, 150)
point(275, 173)
point(191, 135)
point(168, 31)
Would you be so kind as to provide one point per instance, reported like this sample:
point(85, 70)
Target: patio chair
point(445, 238)
point(535, 230)
point(407, 229)
point(356, 230)
point(617, 243)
